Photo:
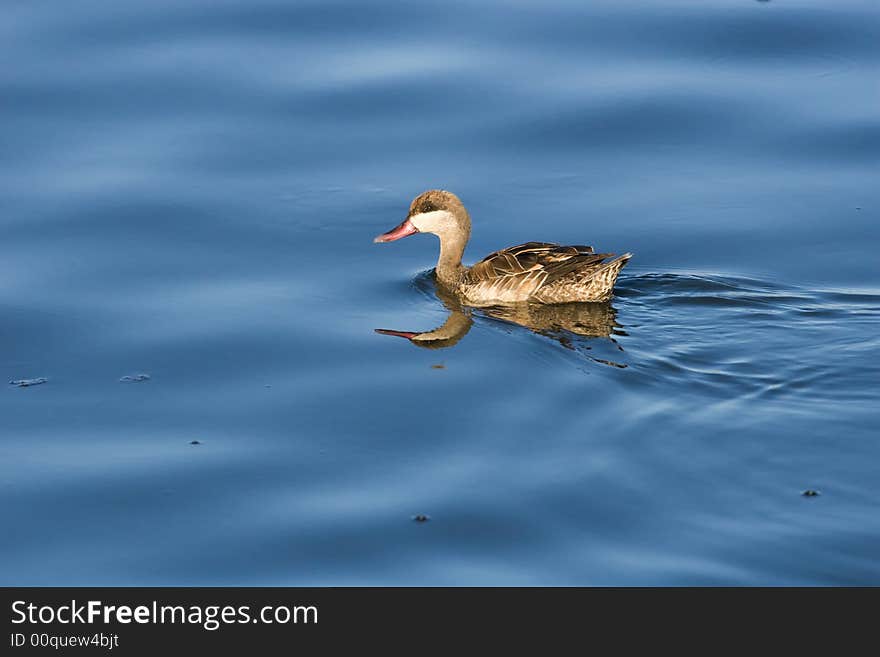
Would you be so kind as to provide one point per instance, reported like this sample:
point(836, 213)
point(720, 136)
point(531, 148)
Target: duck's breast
point(495, 292)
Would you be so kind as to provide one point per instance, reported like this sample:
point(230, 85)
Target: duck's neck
point(449, 267)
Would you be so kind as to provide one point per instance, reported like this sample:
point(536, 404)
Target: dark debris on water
point(810, 493)
point(195, 442)
point(26, 383)
point(134, 378)
point(421, 518)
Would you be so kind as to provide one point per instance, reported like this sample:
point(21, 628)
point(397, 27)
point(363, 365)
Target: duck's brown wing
point(546, 250)
point(527, 267)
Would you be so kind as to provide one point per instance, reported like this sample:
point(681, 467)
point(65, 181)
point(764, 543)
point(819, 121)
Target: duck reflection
point(564, 323)
point(453, 329)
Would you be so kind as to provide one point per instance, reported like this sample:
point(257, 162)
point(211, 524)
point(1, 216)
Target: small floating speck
point(134, 378)
point(26, 383)
point(195, 442)
point(439, 366)
point(421, 518)
point(810, 493)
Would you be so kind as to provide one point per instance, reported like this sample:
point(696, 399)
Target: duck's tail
point(601, 283)
point(607, 274)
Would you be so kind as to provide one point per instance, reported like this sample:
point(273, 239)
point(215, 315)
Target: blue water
point(189, 191)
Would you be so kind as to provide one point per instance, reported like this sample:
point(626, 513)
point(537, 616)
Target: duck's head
point(436, 211)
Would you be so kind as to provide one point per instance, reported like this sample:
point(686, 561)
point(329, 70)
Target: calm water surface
point(190, 191)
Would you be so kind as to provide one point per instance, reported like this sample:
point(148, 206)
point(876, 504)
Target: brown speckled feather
point(592, 282)
point(534, 270)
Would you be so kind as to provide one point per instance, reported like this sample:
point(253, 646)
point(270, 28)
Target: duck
point(535, 272)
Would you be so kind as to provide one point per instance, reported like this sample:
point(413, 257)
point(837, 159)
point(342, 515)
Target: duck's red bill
point(409, 335)
point(405, 229)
